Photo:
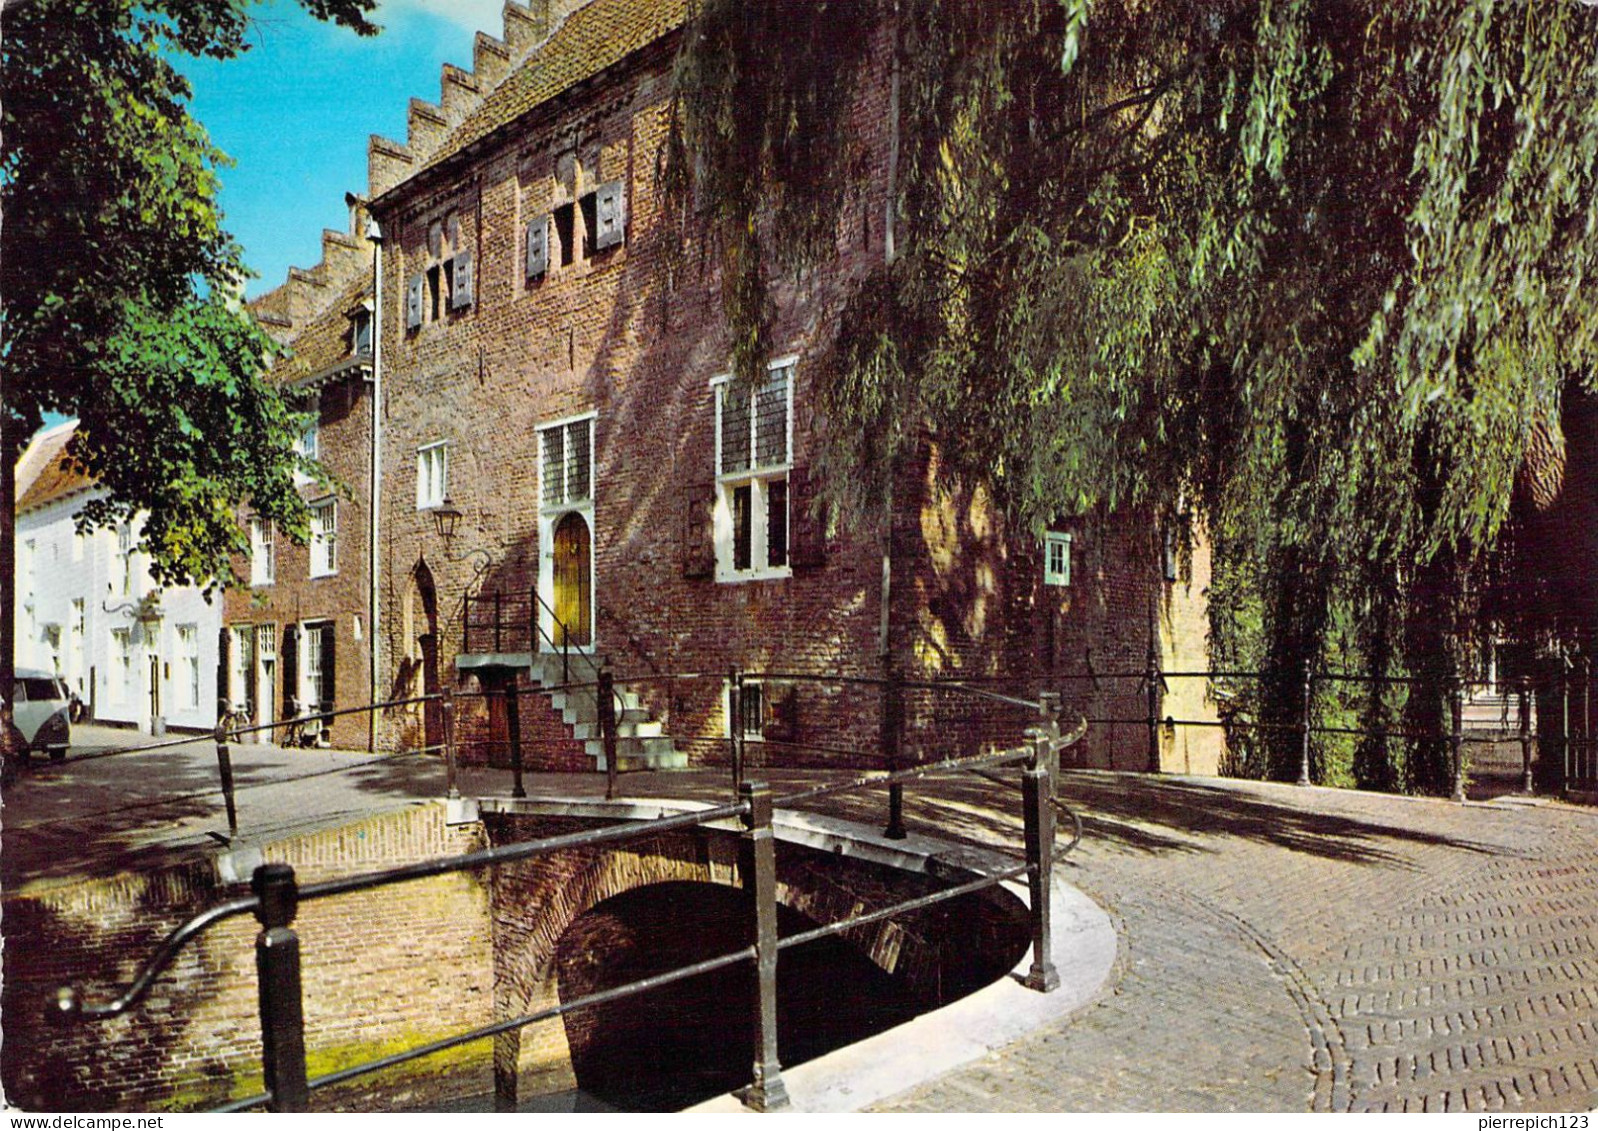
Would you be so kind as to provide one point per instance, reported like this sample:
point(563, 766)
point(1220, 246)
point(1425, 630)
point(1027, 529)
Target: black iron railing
point(277, 895)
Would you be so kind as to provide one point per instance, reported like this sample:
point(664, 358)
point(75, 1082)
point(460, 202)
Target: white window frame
point(1052, 541)
point(124, 556)
point(567, 500)
point(75, 645)
point(309, 441)
point(552, 511)
point(324, 539)
point(122, 673)
point(759, 479)
point(263, 552)
point(188, 640)
point(432, 475)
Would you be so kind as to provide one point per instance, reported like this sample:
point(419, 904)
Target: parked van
point(41, 708)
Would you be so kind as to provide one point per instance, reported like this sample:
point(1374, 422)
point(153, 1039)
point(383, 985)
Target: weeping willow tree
point(1315, 267)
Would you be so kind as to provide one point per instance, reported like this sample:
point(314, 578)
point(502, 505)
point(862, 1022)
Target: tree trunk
point(11, 446)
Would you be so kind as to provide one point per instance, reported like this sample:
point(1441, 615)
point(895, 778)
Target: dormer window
point(360, 332)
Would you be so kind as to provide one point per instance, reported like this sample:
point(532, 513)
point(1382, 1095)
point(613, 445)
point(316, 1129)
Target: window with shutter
point(610, 215)
point(538, 246)
point(413, 302)
point(461, 294)
point(291, 671)
point(807, 536)
point(326, 642)
point(698, 531)
point(753, 453)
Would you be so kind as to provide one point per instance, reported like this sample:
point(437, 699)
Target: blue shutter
point(413, 303)
point(462, 293)
point(610, 213)
point(538, 245)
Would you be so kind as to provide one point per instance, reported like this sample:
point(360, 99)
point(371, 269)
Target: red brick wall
point(195, 1042)
point(635, 336)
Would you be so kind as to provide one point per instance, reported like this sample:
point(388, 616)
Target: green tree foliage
point(1315, 267)
point(118, 281)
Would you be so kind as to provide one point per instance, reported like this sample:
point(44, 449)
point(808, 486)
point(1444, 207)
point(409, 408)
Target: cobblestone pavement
point(1310, 949)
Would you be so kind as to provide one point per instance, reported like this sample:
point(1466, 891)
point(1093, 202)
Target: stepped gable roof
point(323, 346)
point(592, 38)
point(45, 472)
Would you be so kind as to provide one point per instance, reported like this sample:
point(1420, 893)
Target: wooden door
point(573, 581)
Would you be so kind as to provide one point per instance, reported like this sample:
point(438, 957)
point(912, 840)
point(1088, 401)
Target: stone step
point(641, 740)
point(639, 754)
point(643, 728)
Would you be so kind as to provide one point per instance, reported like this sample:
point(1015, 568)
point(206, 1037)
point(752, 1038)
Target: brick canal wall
point(195, 1042)
point(392, 969)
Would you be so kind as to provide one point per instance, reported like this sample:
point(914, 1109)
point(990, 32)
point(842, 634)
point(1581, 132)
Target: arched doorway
point(573, 581)
point(422, 645)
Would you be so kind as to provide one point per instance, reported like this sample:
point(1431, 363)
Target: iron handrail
point(70, 1001)
point(277, 897)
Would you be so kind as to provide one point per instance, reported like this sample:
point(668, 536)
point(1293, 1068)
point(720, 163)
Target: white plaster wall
point(64, 567)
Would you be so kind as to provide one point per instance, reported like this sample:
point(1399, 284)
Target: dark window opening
point(563, 233)
point(590, 224)
point(433, 294)
point(777, 522)
point(742, 525)
point(751, 711)
point(448, 288)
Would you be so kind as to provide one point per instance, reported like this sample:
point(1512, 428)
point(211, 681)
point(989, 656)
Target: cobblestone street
point(1288, 949)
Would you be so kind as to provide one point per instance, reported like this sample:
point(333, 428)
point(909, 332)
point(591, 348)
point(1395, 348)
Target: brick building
point(552, 380)
point(296, 640)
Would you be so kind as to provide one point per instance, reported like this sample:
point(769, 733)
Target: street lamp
point(446, 517)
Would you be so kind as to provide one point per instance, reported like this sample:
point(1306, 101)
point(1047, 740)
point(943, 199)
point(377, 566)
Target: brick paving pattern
point(1287, 949)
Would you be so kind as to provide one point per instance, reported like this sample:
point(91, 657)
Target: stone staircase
point(641, 741)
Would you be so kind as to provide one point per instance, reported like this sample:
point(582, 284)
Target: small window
point(189, 664)
point(324, 538)
point(361, 332)
point(309, 444)
point(566, 463)
point(1057, 559)
point(432, 475)
point(435, 294)
point(564, 230)
point(750, 700)
point(590, 209)
point(263, 553)
point(753, 454)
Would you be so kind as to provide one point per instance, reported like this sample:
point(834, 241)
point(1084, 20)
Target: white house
point(87, 609)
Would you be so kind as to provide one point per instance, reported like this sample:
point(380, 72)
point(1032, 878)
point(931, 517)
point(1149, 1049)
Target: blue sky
point(294, 113)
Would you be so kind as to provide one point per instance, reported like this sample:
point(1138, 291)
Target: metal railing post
point(757, 858)
point(735, 725)
point(892, 749)
point(1525, 735)
point(446, 710)
point(1037, 803)
point(224, 766)
point(1564, 696)
point(605, 707)
point(1309, 706)
point(1152, 674)
point(1456, 737)
point(277, 965)
point(513, 729)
